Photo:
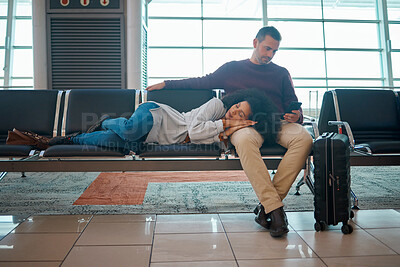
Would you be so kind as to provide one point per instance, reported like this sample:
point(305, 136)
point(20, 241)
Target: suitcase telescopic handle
point(348, 130)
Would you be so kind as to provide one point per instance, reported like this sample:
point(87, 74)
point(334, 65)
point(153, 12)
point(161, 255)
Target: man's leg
point(247, 142)
point(298, 141)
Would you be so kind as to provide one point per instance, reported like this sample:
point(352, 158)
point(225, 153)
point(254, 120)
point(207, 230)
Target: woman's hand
point(231, 130)
point(289, 117)
point(236, 123)
point(156, 86)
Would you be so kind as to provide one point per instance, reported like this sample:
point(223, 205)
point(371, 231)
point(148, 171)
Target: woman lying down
point(158, 123)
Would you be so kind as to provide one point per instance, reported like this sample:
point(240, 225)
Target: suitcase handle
point(348, 131)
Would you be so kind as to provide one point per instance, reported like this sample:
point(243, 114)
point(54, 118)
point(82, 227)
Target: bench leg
point(355, 200)
point(2, 175)
point(306, 179)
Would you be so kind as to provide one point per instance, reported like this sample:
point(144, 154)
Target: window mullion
point(9, 42)
point(384, 41)
point(265, 13)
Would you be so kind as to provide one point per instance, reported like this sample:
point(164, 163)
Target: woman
point(158, 123)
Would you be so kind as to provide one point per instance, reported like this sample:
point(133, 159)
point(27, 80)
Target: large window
point(16, 56)
point(326, 43)
point(193, 37)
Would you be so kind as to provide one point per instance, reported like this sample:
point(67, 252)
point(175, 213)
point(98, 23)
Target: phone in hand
point(294, 105)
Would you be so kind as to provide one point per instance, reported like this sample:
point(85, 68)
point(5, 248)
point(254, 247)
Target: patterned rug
point(186, 192)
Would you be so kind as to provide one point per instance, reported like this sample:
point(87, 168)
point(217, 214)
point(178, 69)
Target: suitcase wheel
point(320, 226)
point(347, 229)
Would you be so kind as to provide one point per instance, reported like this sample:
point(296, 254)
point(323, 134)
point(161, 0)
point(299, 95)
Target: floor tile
point(240, 222)
point(16, 219)
point(366, 261)
point(304, 221)
point(335, 244)
point(54, 224)
point(191, 247)
point(187, 218)
point(6, 228)
point(195, 264)
point(261, 245)
point(137, 233)
point(123, 218)
point(8, 223)
point(388, 236)
point(377, 218)
point(36, 247)
point(98, 256)
point(202, 223)
point(30, 264)
point(314, 262)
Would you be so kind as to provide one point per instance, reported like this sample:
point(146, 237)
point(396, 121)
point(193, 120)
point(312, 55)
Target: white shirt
point(203, 124)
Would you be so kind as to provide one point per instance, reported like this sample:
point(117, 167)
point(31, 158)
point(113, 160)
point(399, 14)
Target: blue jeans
point(121, 132)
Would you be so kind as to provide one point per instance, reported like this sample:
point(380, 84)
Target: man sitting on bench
point(259, 72)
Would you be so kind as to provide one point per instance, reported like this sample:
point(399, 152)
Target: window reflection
point(165, 32)
point(365, 9)
point(300, 34)
point(232, 8)
point(393, 9)
point(23, 63)
point(347, 64)
point(230, 33)
point(396, 64)
point(23, 33)
point(351, 35)
point(294, 9)
point(394, 32)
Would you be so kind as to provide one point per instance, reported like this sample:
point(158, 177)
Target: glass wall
point(194, 37)
point(17, 55)
point(326, 43)
point(3, 29)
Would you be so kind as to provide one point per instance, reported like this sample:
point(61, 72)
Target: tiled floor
point(196, 240)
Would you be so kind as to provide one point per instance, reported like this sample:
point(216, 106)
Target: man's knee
point(295, 135)
point(247, 137)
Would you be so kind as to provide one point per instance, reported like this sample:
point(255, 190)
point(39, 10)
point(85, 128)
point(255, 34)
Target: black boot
point(62, 140)
point(262, 218)
point(97, 126)
point(279, 223)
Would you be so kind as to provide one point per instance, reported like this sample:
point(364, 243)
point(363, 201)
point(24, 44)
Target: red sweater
point(274, 80)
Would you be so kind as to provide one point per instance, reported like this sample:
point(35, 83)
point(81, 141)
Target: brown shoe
point(262, 218)
point(279, 223)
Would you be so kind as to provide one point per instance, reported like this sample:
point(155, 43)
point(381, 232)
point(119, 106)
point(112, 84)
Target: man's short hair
point(268, 30)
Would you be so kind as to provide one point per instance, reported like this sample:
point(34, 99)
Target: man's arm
point(213, 80)
point(288, 96)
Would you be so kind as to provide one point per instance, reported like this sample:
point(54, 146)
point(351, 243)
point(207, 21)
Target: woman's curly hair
point(263, 111)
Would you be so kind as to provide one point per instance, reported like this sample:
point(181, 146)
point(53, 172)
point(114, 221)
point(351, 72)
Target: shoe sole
point(273, 234)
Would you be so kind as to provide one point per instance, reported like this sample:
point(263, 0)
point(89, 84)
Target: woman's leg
point(101, 138)
point(134, 128)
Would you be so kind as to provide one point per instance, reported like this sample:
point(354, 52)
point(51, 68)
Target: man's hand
point(156, 86)
point(289, 117)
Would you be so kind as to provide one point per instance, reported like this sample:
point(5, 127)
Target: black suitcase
point(332, 182)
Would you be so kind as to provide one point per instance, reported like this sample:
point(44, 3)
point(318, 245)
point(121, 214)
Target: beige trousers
point(248, 141)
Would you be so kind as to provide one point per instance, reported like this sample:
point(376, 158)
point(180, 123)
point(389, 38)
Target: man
point(259, 72)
